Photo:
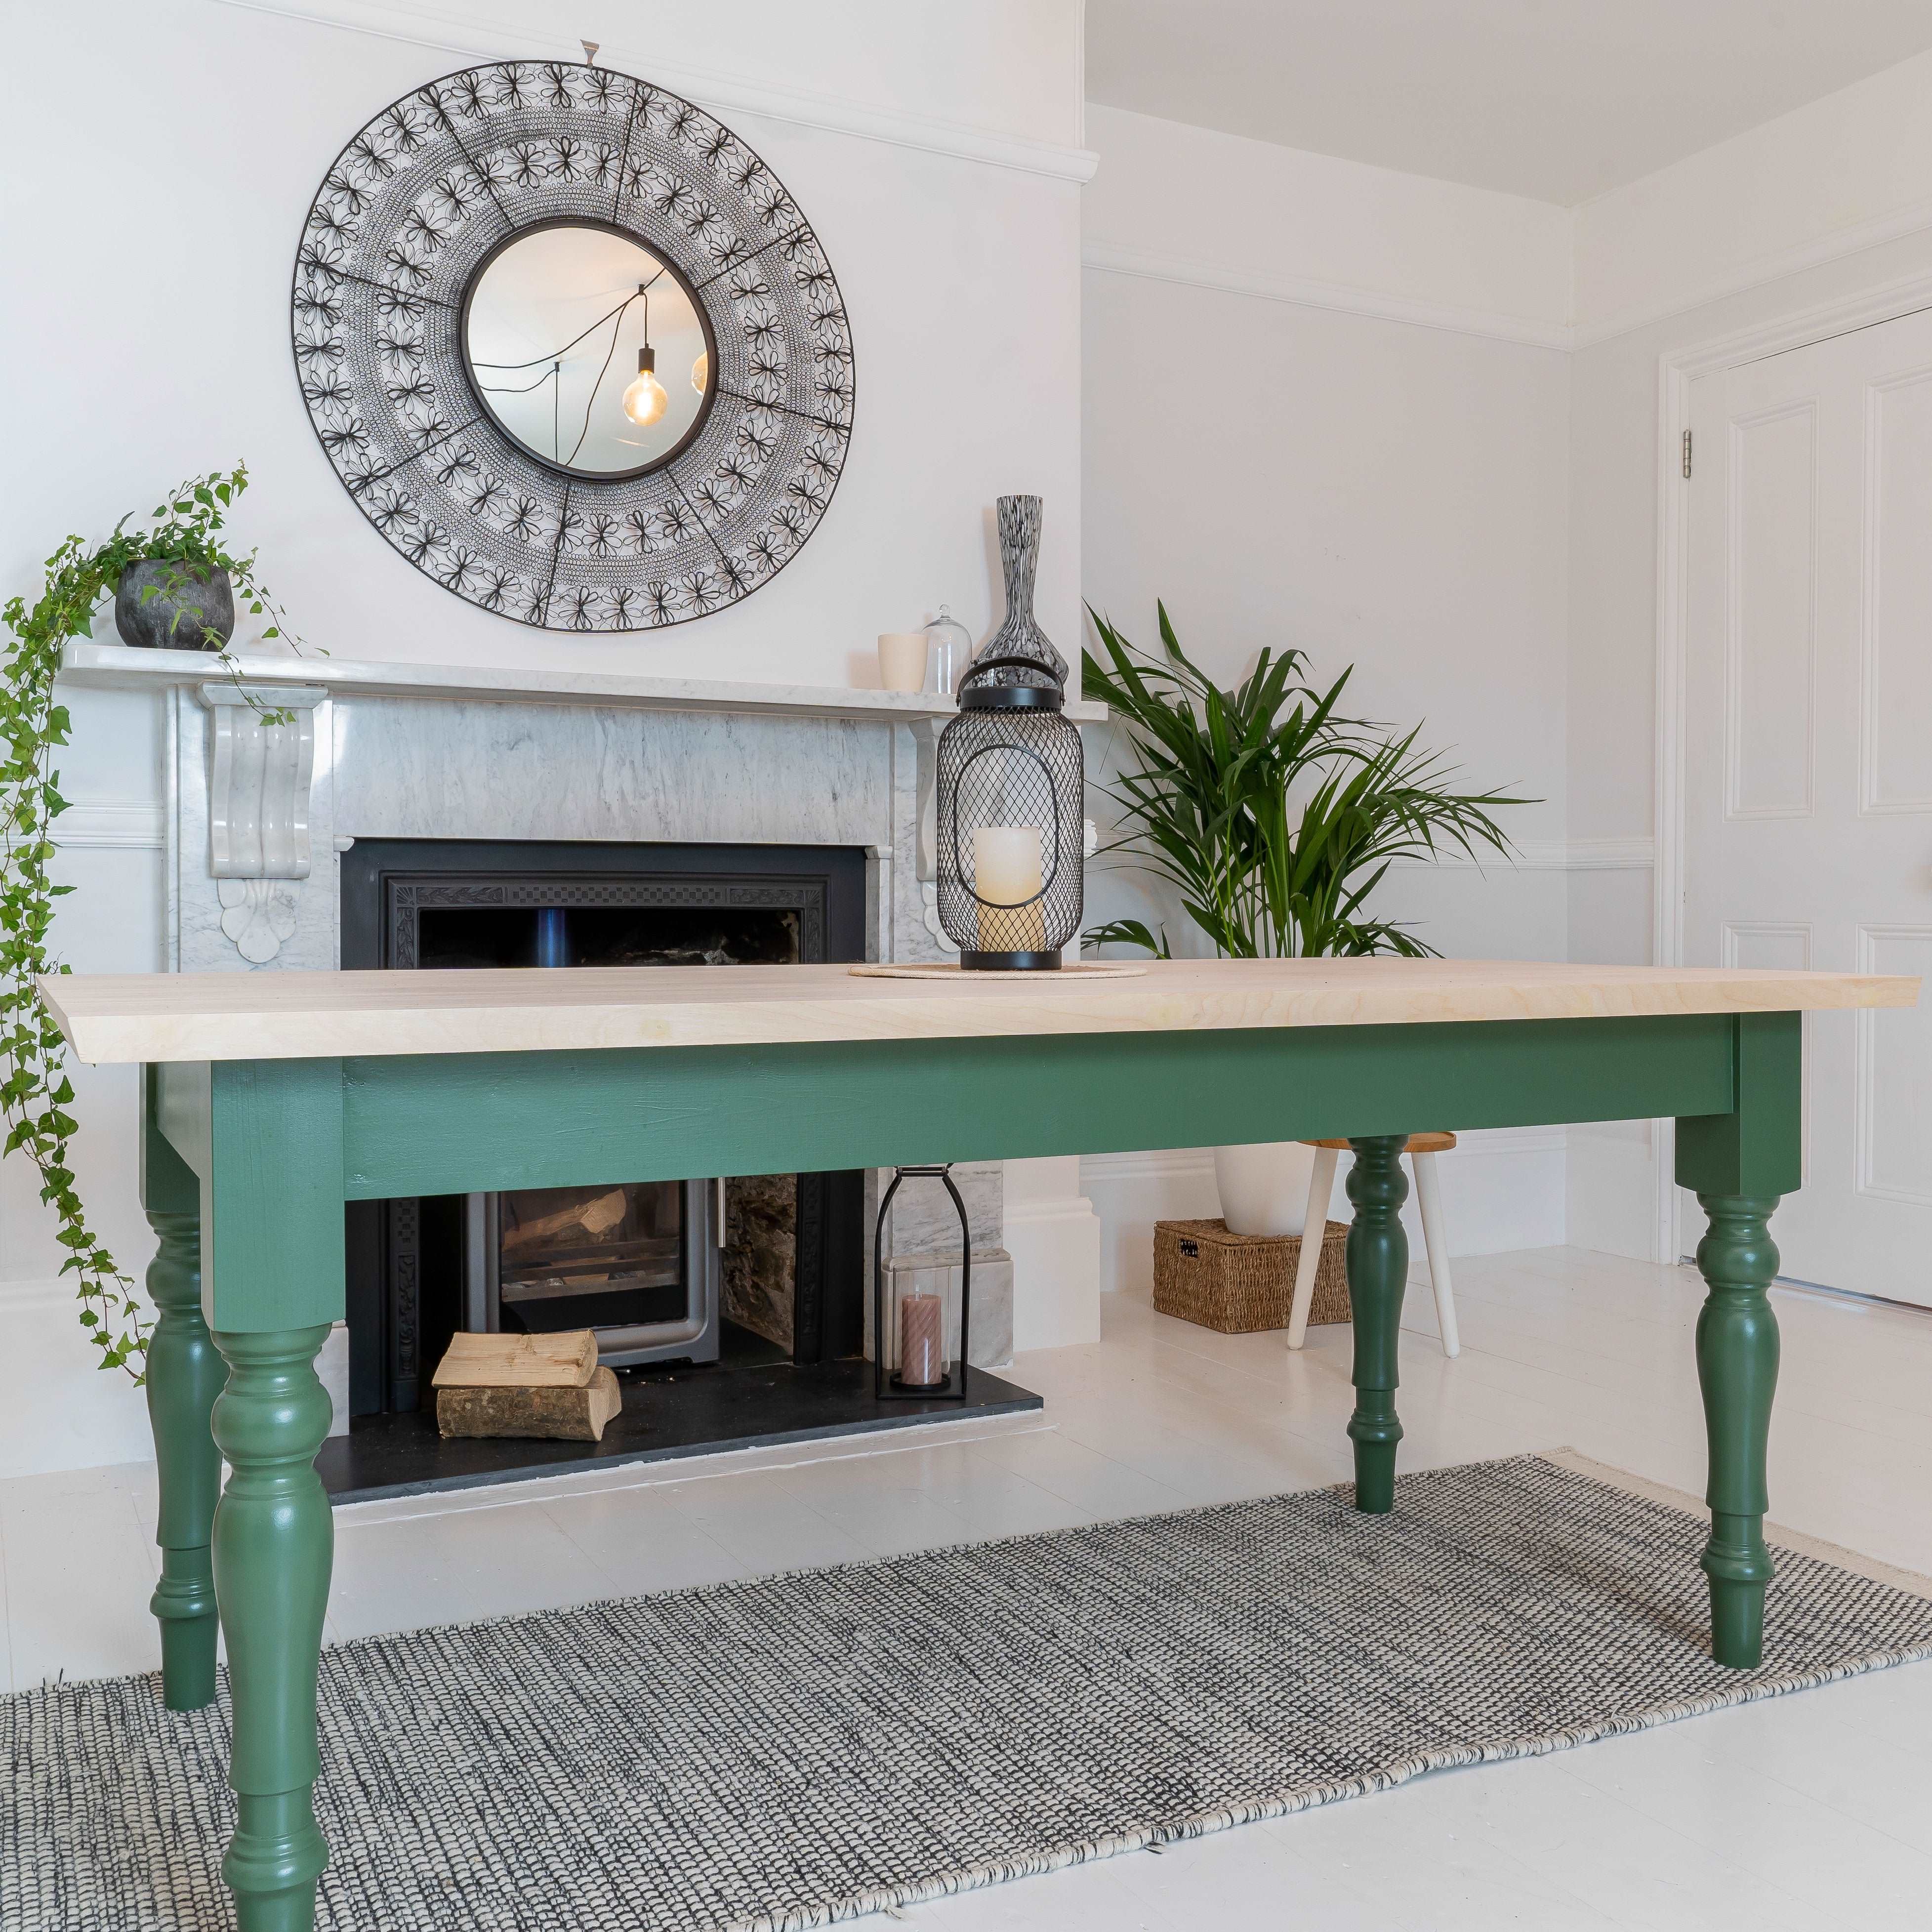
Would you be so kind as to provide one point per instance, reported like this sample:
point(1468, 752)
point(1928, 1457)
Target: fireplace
point(444, 809)
point(736, 1270)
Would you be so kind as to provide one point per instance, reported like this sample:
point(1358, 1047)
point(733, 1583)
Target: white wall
point(935, 149)
point(1387, 494)
point(1270, 451)
point(959, 277)
point(1205, 209)
point(1354, 489)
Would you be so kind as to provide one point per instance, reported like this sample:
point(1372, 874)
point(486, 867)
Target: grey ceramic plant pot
point(205, 604)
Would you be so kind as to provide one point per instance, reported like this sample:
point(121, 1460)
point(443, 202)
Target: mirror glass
point(553, 328)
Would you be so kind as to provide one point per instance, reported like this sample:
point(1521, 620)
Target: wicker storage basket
point(1238, 1283)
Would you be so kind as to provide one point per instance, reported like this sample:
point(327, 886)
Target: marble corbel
point(259, 775)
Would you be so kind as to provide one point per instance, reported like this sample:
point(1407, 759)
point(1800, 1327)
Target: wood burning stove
point(663, 1271)
point(641, 1263)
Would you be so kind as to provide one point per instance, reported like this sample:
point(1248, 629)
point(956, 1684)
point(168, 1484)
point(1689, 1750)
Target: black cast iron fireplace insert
point(752, 1267)
point(732, 1309)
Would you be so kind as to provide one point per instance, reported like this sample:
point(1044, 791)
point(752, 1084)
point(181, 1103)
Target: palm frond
point(1208, 808)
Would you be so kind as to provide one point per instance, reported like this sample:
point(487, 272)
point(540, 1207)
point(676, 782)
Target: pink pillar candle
point(922, 1340)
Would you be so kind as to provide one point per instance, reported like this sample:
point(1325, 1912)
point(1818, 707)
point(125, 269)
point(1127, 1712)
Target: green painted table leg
point(273, 1546)
point(1377, 1256)
point(185, 1374)
point(1737, 1366)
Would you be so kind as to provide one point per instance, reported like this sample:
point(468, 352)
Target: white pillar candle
point(1007, 872)
point(902, 660)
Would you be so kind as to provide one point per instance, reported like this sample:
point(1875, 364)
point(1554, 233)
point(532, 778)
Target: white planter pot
point(1263, 1188)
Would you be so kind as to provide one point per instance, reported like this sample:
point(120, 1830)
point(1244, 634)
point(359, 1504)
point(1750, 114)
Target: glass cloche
point(948, 646)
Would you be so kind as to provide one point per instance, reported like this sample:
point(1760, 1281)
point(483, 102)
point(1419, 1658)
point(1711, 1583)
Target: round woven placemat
point(1099, 969)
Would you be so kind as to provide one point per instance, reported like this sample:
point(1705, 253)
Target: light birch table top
point(207, 1016)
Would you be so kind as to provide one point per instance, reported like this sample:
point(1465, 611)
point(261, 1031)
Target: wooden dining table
point(270, 1099)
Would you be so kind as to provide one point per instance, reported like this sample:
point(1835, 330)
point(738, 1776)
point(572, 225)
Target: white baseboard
point(1130, 1193)
point(1503, 1188)
point(1612, 1190)
point(58, 1411)
point(1053, 1236)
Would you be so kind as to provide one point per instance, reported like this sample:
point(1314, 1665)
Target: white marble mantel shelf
point(118, 666)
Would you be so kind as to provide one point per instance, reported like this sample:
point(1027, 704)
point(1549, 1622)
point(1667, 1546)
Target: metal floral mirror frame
point(583, 490)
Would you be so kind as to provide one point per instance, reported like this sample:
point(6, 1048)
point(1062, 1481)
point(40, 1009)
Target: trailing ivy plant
point(184, 533)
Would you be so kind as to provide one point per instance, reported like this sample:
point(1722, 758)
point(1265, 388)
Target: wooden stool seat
point(1422, 1150)
point(1417, 1144)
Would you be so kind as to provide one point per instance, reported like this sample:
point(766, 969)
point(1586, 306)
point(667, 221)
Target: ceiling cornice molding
point(1833, 245)
point(450, 33)
point(1111, 258)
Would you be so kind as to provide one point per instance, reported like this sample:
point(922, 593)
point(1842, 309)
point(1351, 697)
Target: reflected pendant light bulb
point(700, 371)
point(646, 399)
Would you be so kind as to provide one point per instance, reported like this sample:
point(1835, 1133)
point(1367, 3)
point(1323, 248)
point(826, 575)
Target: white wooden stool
point(1422, 1150)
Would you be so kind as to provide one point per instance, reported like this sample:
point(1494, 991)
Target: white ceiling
point(1559, 100)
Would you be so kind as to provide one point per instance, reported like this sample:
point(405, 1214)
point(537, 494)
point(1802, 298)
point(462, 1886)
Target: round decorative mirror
point(572, 348)
point(565, 329)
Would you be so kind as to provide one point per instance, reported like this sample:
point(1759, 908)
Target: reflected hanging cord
point(646, 366)
point(647, 399)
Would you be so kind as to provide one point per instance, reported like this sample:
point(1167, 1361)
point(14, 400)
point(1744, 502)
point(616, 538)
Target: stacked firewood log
point(540, 1385)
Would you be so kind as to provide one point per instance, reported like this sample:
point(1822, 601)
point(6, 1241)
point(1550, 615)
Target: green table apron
point(246, 1165)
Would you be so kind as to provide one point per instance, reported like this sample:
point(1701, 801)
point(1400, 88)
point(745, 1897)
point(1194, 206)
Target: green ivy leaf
point(184, 534)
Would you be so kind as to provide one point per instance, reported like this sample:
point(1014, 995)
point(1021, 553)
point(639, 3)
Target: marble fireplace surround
point(258, 817)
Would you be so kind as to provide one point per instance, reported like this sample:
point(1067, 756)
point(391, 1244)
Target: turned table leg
point(1738, 1165)
point(1378, 1257)
point(185, 1374)
point(1737, 1367)
point(274, 1545)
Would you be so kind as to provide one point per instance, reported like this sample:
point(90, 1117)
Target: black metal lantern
point(1011, 819)
point(911, 1332)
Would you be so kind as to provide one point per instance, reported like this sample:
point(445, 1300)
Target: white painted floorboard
point(1811, 1810)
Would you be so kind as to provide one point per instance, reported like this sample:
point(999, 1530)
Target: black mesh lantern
point(915, 1320)
point(1011, 819)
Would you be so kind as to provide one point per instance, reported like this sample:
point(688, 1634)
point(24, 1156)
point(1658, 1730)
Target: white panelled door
point(1808, 758)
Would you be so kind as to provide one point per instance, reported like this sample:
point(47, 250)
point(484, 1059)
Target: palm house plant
point(1273, 818)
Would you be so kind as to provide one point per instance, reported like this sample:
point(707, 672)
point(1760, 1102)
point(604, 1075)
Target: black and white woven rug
point(795, 1749)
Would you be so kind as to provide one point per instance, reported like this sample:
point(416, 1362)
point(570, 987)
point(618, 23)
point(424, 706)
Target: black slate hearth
point(668, 1412)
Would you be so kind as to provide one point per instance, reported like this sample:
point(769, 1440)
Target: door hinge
point(1687, 455)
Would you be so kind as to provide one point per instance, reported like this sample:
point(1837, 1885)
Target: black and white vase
point(204, 603)
point(1020, 635)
